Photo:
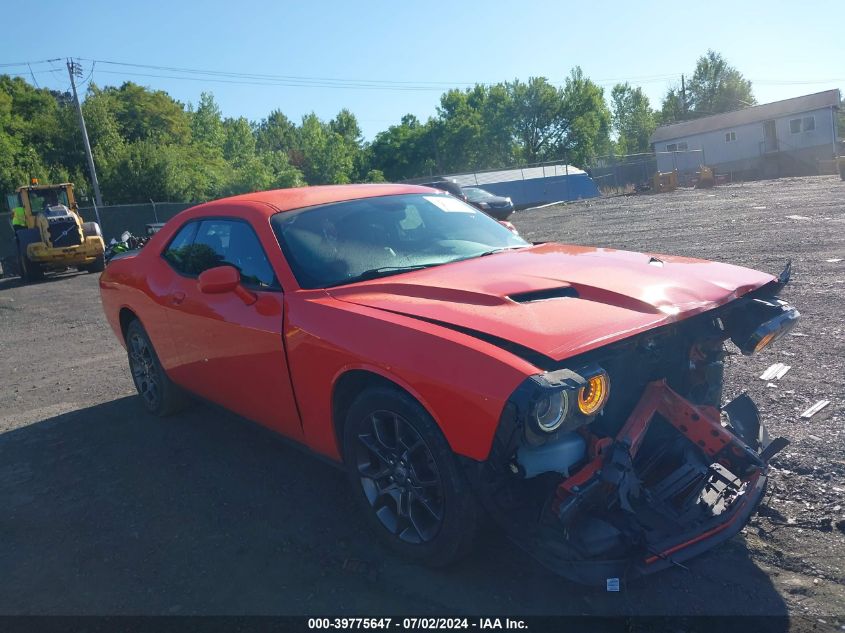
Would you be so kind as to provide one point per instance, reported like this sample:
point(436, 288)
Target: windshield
point(476, 195)
point(344, 242)
point(40, 199)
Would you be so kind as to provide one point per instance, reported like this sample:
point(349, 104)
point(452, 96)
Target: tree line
point(147, 145)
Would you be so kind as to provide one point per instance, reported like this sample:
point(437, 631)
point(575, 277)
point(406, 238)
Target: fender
point(461, 381)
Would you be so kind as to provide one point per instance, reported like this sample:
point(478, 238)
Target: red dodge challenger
point(459, 373)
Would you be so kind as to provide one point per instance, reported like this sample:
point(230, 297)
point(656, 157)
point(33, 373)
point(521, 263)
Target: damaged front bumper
point(673, 482)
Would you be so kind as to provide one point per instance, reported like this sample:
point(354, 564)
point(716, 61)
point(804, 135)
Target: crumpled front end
point(624, 462)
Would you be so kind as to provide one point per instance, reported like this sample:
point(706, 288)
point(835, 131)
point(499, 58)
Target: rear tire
point(407, 480)
point(160, 395)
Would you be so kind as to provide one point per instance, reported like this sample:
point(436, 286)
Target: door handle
point(177, 298)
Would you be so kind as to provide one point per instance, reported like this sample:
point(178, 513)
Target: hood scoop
point(563, 292)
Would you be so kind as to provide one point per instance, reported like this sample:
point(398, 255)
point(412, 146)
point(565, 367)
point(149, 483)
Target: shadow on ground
point(107, 510)
point(7, 283)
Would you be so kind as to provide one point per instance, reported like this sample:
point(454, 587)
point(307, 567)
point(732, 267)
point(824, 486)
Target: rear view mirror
point(218, 280)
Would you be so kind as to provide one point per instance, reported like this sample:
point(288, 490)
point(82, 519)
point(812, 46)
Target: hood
point(559, 300)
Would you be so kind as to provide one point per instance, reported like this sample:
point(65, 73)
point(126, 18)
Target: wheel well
point(347, 388)
point(126, 317)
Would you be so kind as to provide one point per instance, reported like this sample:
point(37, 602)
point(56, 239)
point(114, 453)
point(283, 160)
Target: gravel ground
point(106, 510)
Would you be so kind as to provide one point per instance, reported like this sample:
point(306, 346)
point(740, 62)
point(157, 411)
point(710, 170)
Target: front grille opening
point(64, 234)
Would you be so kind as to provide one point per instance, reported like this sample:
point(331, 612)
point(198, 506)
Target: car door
point(229, 351)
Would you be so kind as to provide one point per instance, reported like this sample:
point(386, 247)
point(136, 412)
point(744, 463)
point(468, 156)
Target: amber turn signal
point(593, 395)
point(768, 338)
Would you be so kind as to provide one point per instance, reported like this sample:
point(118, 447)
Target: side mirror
point(216, 281)
point(222, 279)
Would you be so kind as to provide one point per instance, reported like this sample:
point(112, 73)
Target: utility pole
point(74, 69)
point(683, 97)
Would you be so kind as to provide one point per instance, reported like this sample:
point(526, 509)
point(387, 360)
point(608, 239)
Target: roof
point(41, 187)
point(510, 175)
point(299, 197)
point(776, 109)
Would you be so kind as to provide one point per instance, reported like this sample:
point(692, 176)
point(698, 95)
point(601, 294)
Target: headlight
point(560, 400)
point(550, 410)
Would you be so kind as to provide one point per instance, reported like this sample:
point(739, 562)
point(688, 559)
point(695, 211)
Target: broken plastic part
point(557, 457)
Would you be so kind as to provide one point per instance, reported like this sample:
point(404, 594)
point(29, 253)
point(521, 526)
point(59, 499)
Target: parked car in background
point(573, 393)
point(499, 207)
point(449, 186)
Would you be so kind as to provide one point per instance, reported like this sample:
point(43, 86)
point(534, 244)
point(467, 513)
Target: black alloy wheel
point(160, 395)
point(144, 369)
point(412, 488)
point(400, 478)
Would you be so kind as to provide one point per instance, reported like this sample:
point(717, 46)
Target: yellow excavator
point(55, 236)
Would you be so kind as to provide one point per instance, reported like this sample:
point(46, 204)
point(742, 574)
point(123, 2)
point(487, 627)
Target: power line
point(306, 81)
point(42, 61)
point(297, 78)
point(34, 80)
point(275, 83)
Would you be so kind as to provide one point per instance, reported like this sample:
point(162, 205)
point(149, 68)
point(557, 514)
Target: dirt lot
point(105, 510)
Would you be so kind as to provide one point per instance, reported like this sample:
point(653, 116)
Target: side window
point(244, 252)
point(233, 243)
point(13, 200)
point(795, 126)
point(178, 252)
point(206, 244)
point(809, 123)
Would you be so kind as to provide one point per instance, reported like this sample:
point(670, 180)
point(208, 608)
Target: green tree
point(403, 151)
point(239, 141)
point(149, 114)
point(715, 87)
point(327, 157)
point(633, 118)
point(276, 133)
point(538, 118)
point(585, 125)
point(207, 124)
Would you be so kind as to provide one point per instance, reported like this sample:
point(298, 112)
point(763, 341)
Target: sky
point(382, 60)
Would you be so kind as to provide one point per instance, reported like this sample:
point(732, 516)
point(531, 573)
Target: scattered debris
point(797, 334)
point(815, 437)
point(797, 217)
point(775, 372)
point(809, 413)
point(759, 208)
point(613, 584)
point(834, 260)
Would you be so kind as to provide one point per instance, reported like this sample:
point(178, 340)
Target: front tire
point(407, 479)
point(160, 395)
point(30, 270)
point(98, 265)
